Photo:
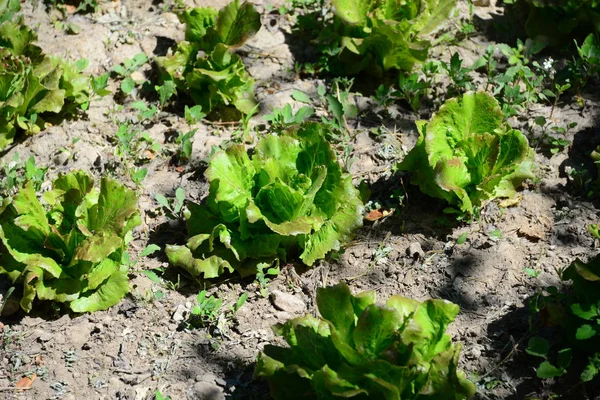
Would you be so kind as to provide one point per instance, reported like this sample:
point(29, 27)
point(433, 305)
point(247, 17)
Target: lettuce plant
point(204, 66)
point(555, 22)
point(8, 8)
point(374, 36)
point(68, 246)
point(289, 198)
point(34, 85)
point(467, 154)
point(360, 349)
point(576, 314)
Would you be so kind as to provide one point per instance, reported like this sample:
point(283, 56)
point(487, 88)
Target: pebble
point(415, 251)
point(287, 302)
point(207, 391)
point(179, 314)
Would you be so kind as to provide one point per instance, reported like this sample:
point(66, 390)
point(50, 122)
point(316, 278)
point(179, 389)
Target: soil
point(143, 344)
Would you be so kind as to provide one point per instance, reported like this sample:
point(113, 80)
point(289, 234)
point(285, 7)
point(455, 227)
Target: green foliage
point(552, 22)
point(8, 8)
point(466, 154)
point(184, 140)
point(69, 246)
point(373, 36)
point(285, 117)
point(14, 174)
point(210, 312)
point(204, 66)
point(290, 198)
point(364, 350)
point(577, 314)
point(33, 85)
point(128, 67)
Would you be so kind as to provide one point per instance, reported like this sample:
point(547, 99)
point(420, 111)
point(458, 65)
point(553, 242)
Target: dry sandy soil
point(142, 344)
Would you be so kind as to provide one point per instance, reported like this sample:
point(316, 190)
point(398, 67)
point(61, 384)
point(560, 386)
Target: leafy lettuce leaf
point(289, 199)
point(374, 36)
point(466, 154)
point(33, 85)
point(360, 349)
point(204, 66)
point(68, 247)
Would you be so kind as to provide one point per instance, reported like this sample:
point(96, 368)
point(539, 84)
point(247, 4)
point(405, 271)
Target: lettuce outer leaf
point(466, 154)
point(364, 350)
point(289, 199)
point(69, 247)
point(204, 67)
point(378, 36)
point(32, 84)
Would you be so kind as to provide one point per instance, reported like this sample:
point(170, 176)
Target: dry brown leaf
point(378, 214)
point(512, 201)
point(374, 215)
point(533, 233)
point(26, 382)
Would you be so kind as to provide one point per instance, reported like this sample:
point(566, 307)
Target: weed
point(127, 68)
point(262, 272)
point(210, 312)
point(173, 208)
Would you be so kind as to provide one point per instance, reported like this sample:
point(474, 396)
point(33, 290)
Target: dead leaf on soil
point(26, 382)
point(378, 214)
point(39, 360)
point(533, 233)
point(511, 202)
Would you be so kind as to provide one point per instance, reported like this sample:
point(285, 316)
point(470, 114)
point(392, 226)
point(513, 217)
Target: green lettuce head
point(289, 198)
point(359, 349)
point(68, 247)
point(33, 85)
point(204, 66)
point(467, 154)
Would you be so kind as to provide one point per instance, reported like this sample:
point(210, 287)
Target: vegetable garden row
point(284, 194)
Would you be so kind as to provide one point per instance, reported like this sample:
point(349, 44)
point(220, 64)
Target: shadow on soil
point(237, 373)
point(416, 213)
point(516, 368)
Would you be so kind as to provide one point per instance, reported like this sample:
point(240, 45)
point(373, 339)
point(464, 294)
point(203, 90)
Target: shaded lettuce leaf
point(289, 199)
point(466, 154)
point(364, 350)
point(69, 248)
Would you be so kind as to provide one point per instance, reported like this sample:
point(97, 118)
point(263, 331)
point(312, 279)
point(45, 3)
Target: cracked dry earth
point(140, 345)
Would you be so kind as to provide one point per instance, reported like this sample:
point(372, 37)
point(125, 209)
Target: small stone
point(415, 251)
point(62, 158)
point(287, 302)
point(137, 76)
point(180, 312)
point(45, 337)
point(208, 378)
point(207, 391)
point(220, 381)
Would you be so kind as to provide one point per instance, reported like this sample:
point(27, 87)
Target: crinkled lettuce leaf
point(290, 198)
point(8, 8)
point(204, 66)
point(33, 85)
point(466, 154)
point(67, 247)
point(358, 348)
point(381, 35)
